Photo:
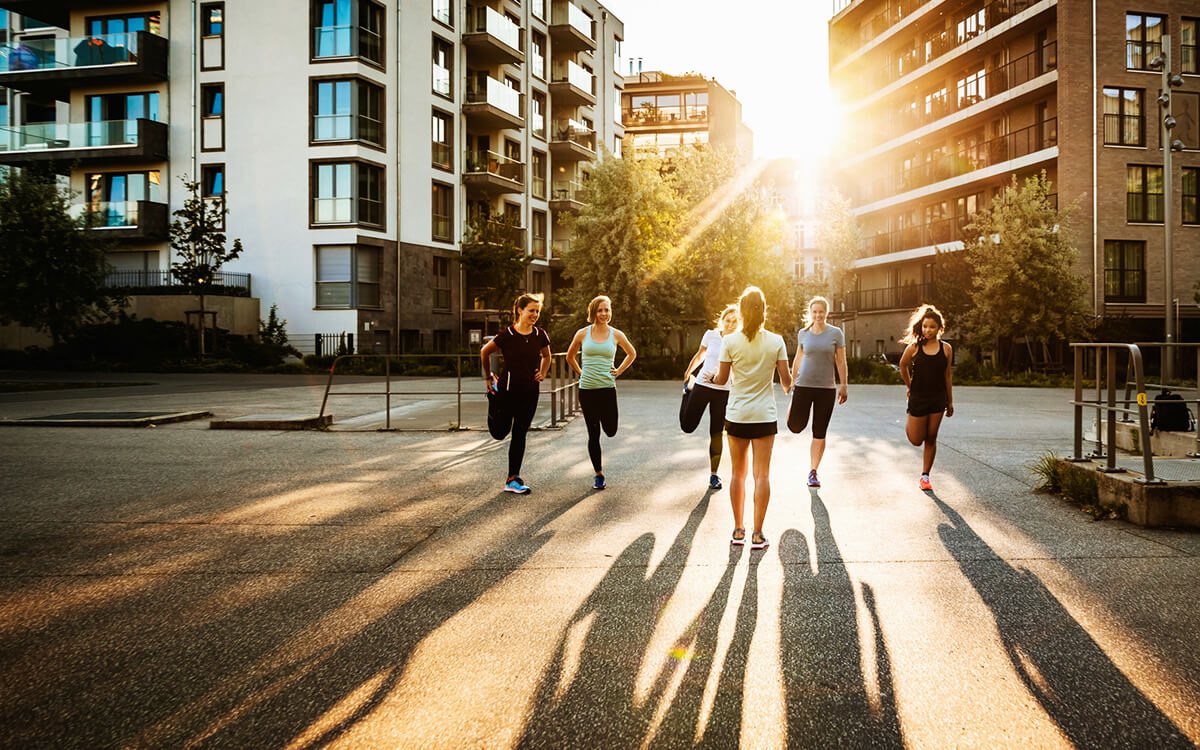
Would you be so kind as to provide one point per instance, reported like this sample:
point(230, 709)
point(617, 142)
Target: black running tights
point(819, 401)
point(700, 399)
point(599, 411)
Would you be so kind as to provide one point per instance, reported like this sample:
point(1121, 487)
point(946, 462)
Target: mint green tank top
point(598, 361)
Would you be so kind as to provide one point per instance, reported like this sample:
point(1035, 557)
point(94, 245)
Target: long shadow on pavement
point(825, 690)
point(1078, 686)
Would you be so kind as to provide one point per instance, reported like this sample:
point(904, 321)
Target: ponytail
point(752, 307)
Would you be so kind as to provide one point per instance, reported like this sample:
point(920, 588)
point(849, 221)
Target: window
point(537, 55)
point(348, 28)
point(443, 212)
point(347, 193)
point(1189, 45)
point(212, 186)
point(539, 8)
point(212, 19)
point(441, 284)
point(537, 282)
point(348, 109)
point(1191, 195)
point(212, 33)
point(539, 175)
point(113, 196)
point(1124, 271)
point(212, 112)
point(347, 276)
point(212, 100)
point(972, 88)
point(443, 67)
point(1144, 194)
point(1143, 39)
point(539, 234)
point(124, 24)
point(537, 114)
point(443, 140)
point(1124, 118)
point(617, 142)
point(443, 11)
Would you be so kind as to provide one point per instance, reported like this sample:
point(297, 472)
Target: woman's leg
point(591, 417)
point(716, 426)
point(608, 412)
point(524, 407)
point(762, 478)
point(802, 401)
point(822, 412)
point(931, 433)
point(738, 448)
point(692, 408)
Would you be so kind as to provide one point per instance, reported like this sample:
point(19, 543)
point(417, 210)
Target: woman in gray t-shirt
point(820, 348)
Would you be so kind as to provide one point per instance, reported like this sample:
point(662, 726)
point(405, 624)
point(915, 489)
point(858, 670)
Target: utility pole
point(1170, 80)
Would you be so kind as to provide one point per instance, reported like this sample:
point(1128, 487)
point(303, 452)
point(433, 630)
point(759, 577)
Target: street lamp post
point(1170, 80)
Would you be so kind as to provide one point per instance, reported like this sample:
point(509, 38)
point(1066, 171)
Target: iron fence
point(164, 282)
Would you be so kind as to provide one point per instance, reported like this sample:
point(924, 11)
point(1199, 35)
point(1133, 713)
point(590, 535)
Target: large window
point(537, 55)
point(443, 140)
point(1144, 194)
point(443, 67)
point(1143, 39)
point(112, 196)
point(1124, 118)
point(347, 276)
point(443, 10)
point(441, 284)
point(212, 36)
point(537, 114)
point(1124, 271)
point(212, 113)
point(538, 179)
point(348, 28)
point(539, 234)
point(1190, 45)
point(347, 193)
point(347, 110)
point(1191, 195)
point(443, 212)
point(124, 24)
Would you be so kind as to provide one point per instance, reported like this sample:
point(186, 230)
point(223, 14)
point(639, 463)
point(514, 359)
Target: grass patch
point(1075, 484)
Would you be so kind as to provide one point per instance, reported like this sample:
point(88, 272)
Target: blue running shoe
point(598, 484)
point(516, 485)
point(714, 482)
point(812, 479)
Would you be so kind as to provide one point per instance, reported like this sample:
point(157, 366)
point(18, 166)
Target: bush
point(863, 370)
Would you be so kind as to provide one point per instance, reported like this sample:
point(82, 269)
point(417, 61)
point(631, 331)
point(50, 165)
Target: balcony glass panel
point(334, 41)
point(573, 130)
point(74, 52)
point(478, 162)
point(581, 21)
point(495, 23)
point(496, 93)
point(111, 214)
point(52, 135)
point(566, 190)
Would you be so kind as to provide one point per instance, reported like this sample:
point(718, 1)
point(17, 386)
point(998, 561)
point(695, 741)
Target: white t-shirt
point(712, 360)
point(752, 373)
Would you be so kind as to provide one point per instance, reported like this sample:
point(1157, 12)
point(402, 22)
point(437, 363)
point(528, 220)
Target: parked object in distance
point(879, 358)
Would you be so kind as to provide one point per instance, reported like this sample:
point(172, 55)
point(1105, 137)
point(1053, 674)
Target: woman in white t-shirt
point(705, 395)
point(752, 355)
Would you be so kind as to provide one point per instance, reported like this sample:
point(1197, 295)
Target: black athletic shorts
point(750, 430)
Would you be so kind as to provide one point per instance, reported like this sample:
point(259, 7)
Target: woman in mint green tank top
point(598, 375)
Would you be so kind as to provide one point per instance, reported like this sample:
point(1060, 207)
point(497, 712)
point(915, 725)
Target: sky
point(773, 53)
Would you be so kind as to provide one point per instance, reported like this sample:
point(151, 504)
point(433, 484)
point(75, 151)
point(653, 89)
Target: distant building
point(662, 112)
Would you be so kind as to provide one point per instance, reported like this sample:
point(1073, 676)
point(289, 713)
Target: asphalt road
point(184, 587)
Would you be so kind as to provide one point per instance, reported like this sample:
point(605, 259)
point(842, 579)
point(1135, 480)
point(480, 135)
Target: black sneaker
point(714, 482)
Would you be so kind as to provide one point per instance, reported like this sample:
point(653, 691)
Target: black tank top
point(929, 373)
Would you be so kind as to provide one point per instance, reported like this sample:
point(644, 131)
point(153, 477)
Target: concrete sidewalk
point(188, 587)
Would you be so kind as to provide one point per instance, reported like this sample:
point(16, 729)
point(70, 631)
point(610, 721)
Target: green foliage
point(52, 267)
point(272, 332)
point(1047, 469)
point(1021, 258)
point(840, 239)
point(863, 370)
point(198, 240)
point(493, 257)
point(1076, 484)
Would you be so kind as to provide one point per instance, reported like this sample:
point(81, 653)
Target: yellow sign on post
point(1141, 399)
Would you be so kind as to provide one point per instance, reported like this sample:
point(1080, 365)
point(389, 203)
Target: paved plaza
point(184, 587)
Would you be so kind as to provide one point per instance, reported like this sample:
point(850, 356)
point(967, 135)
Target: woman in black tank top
point(925, 367)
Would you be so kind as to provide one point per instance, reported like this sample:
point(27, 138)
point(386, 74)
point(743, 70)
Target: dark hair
point(524, 300)
point(752, 306)
point(912, 334)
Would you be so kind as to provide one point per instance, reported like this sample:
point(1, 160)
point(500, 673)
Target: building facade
point(357, 143)
point(663, 112)
point(947, 100)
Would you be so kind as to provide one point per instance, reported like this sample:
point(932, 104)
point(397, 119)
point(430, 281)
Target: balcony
point(128, 220)
point(225, 284)
point(659, 117)
point(571, 29)
point(499, 229)
point(58, 12)
point(53, 67)
point(489, 173)
point(904, 297)
point(928, 235)
point(567, 196)
point(90, 143)
point(572, 141)
point(492, 105)
point(572, 85)
point(491, 38)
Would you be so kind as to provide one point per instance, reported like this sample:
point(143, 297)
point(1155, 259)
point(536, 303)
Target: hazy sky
point(773, 53)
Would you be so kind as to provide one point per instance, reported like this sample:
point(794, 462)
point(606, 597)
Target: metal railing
point(1105, 404)
point(564, 385)
point(1166, 350)
point(224, 283)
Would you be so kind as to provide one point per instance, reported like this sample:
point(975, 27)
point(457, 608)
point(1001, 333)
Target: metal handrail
point(1170, 386)
point(564, 387)
point(1108, 352)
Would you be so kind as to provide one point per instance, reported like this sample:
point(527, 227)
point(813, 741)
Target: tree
point(52, 267)
point(840, 241)
point(493, 257)
point(198, 240)
point(1021, 256)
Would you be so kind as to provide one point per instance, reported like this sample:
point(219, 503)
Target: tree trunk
point(200, 347)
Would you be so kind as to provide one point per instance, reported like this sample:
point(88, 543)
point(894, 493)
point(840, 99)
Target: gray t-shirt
point(817, 366)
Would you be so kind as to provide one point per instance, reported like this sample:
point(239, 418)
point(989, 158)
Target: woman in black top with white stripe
point(925, 367)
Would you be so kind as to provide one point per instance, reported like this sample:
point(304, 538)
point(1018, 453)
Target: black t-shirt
point(522, 358)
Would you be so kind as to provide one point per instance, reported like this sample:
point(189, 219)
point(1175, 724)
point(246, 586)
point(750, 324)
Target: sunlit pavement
point(185, 587)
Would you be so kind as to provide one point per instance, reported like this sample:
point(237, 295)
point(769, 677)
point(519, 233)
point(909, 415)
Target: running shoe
point(925, 485)
point(812, 479)
point(516, 485)
point(739, 537)
point(758, 541)
point(714, 482)
point(599, 484)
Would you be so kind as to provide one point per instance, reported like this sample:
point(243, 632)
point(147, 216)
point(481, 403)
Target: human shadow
point(826, 694)
point(1079, 687)
point(598, 705)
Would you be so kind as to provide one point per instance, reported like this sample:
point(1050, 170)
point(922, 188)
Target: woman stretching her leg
point(925, 367)
point(707, 395)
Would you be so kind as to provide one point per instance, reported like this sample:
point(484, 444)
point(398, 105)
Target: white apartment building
point(353, 140)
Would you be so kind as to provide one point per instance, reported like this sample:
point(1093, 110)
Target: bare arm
point(545, 365)
point(840, 359)
point(949, 381)
point(906, 365)
point(785, 375)
point(485, 362)
point(796, 363)
point(696, 358)
point(630, 353)
point(573, 351)
point(722, 376)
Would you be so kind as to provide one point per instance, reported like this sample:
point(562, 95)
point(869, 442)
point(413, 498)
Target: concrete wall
point(239, 315)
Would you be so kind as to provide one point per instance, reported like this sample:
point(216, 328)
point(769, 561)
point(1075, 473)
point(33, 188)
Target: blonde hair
point(524, 301)
point(721, 315)
point(912, 334)
point(595, 303)
point(752, 307)
point(808, 319)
